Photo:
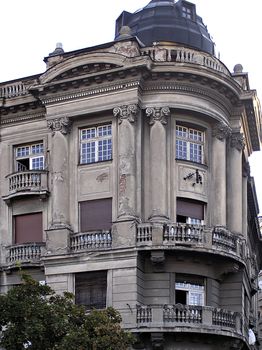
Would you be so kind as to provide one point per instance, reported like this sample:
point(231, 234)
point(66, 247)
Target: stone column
point(158, 162)
point(220, 132)
point(246, 174)
point(57, 235)
point(234, 185)
point(126, 161)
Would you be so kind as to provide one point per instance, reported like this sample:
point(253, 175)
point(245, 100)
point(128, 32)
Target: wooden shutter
point(190, 208)
point(96, 215)
point(28, 228)
point(91, 289)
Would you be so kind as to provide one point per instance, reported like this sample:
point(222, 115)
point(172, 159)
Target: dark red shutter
point(28, 228)
point(96, 215)
point(190, 208)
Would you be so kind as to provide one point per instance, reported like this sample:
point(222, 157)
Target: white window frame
point(186, 139)
point(191, 290)
point(31, 155)
point(95, 140)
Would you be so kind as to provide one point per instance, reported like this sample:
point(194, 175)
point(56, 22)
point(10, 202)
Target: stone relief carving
point(126, 112)
point(126, 48)
point(237, 141)
point(60, 124)
point(158, 114)
point(221, 131)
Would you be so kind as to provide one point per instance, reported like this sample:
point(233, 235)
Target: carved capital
point(158, 114)
point(126, 112)
point(60, 124)
point(221, 131)
point(237, 141)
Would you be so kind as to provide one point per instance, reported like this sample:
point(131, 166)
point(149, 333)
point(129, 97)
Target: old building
point(125, 179)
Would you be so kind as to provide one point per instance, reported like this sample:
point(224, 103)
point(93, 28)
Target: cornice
point(22, 118)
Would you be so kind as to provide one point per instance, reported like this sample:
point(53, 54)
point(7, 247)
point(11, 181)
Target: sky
point(30, 30)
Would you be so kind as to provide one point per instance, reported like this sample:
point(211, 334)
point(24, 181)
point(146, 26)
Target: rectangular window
point(190, 211)
point(187, 12)
point(96, 144)
point(189, 144)
point(91, 289)
point(96, 215)
point(28, 228)
point(29, 157)
point(189, 291)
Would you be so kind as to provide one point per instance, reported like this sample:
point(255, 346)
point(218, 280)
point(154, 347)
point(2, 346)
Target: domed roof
point(167, 20)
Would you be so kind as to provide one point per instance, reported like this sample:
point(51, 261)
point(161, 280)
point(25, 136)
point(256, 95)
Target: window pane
point(87, 134)
point(37, 149)
point(105, 130)
point(104, 150)
point(195, 152)
point(22, 151)
point(88, 153)
point(181, 149)
point(37, 163)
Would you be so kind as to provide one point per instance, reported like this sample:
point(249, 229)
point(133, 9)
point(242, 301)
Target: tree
point(33, 317)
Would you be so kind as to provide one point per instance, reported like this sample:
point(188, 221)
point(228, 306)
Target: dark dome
point(167, 20)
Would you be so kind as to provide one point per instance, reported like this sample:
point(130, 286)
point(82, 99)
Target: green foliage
point(32, 316)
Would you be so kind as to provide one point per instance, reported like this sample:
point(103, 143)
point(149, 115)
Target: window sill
point(202, 165)
point(94, 163)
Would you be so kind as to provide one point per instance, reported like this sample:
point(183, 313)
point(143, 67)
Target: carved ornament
point(60, 124)
point(238, 141)
point(158, 114)
point(126, 112)
point(221, 131)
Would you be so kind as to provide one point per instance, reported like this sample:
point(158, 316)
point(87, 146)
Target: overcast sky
point(30, 30)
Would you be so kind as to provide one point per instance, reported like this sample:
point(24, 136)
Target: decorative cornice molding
point(60, 124)
point(237, 140)
point(126, 112)
point(221, 131)
point(159, 114)
point(22, 118)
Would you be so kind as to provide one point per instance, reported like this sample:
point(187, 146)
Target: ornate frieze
point(237, 141)
point(60, 124)
point(221, 131)
point(158, 114)
point(126, 112)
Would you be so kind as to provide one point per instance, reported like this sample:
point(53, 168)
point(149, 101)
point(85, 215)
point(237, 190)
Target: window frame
point(106, 145)
point(191, 148)
point(191, 289)
point(30, 156)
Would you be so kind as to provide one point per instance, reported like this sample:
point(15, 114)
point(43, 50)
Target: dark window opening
point(91, 289)
point(190, 211)
point(96, 215)
point(28, 228)
point(181, 297)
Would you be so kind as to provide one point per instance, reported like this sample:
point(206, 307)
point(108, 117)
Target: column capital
point(126, 112)
point(237, 140)
point(62, 124)
point(221, 131)
point(158, 114)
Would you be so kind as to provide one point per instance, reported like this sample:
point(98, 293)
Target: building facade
point(125, 180)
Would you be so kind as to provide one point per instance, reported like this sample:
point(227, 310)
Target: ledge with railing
point(178, 315)
point(188, 235)
point(90, 241)
point(17, 88)
point(26, 183)
point(25, 253)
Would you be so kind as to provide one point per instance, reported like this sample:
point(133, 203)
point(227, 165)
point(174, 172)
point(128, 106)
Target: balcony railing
point(27, 252)
point(90, 241)
point(188, 235)
point(214, 319)
point(27, 182)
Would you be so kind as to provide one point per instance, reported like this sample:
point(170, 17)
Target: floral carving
point(126, 112)
point(60, 124)
point(221, 131)
point(158, 114)
point(238, 141)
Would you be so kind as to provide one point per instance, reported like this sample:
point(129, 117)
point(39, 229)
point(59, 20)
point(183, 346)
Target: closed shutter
point(96, 215)
point(28, 228)
point(91, 289)
point(190, 208)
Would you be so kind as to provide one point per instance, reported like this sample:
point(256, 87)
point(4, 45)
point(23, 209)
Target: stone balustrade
point(25, 253)
point(183, 233)
point(165, 316)
point(184, 55)
point(16, 88)
point(27, 182)
point(90, 241)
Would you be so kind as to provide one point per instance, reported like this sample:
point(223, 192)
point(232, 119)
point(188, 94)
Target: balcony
point(99, 240)
point(25, 254)
point(153, 318)
point(25, 183)
point(186, 236)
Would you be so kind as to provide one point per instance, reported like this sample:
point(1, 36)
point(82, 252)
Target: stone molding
point(126, 112)
point(237, 141)
point(159, 114)
point(221, 131)
point(62, 124)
